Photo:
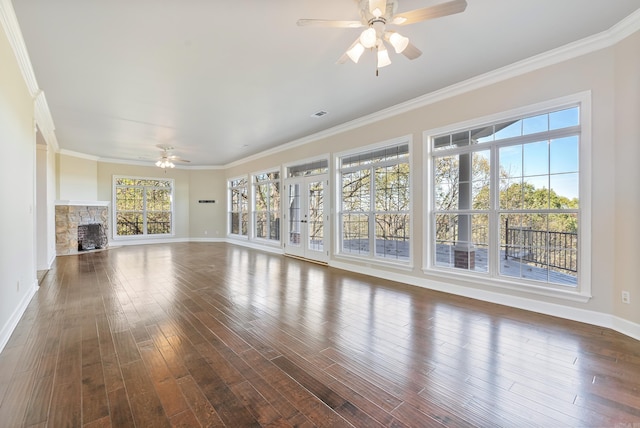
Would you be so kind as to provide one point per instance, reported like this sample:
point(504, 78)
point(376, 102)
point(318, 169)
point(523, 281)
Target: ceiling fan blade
point(176, 158)
point(436, 11)
point(411, 51)
point(329, 23)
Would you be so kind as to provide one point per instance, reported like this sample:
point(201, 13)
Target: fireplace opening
point(91, 237)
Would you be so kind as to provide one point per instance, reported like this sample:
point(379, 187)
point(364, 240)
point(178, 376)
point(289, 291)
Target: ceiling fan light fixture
point(383, 56)
point(165, 163)
point(355, 52)
point(369, 38)
point(398, 41)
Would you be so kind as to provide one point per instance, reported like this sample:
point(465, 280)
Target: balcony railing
point(542, 247)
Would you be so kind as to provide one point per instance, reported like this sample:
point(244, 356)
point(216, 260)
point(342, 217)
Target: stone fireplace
point(90, 216)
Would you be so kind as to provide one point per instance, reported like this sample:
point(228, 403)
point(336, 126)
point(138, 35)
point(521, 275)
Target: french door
point(306, 220)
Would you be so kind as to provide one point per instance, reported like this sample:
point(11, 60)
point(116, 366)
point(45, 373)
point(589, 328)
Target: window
point(374, 212)
point(266, 213)
point(238, 206)
point(143, 206)
point(505, 198)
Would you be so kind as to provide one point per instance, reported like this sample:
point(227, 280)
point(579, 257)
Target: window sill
point(470, 280)
point(375, 262)
point(142, 237)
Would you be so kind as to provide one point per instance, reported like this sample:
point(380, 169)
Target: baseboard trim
point(599, 319)
point(256, 246)
point(12, 322)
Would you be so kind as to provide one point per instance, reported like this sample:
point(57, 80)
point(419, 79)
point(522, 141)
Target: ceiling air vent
point(319, 113)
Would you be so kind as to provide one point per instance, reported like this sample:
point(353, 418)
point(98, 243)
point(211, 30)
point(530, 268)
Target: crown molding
point(607, 38)
point(71, 153)
point(9, 22)
point(152, 163)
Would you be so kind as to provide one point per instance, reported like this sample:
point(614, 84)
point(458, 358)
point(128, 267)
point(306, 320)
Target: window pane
point(532, 125)
point(564, 192)
point(482, 135)
point(481, 195)
point(392, 236)
point(535, 192)
point(355, 233)
point(462, 241)
point(460, 139)
point(392, 188)
point(511, 161)
point(158, 223)
point(564, 118)
point(129, 223)
point(261, 225)
point(540, 247)
point(536, 158)
point(274, 226)
point(262, 197)
point(508, 130)
point(356, 194)
point(442, 142)
point(563, 153)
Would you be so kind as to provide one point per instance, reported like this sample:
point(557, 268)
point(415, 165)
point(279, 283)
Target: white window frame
point(144, 235)
point(230, 190)
point(371, 256)
point(580, 293)
point(254, 185)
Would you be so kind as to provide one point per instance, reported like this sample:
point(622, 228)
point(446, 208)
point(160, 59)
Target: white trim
point(625, 327)
point(128, 242)
point(554, 309)
point(82, 203)
point(255, 245)
point(71, 153)
point(143, 163)
point(208, 240)
point(9, 22)
point(13, 320)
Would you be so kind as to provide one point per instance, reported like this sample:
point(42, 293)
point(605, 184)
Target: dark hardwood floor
point(218, 335)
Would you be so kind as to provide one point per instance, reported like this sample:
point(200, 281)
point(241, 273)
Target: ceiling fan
point(375, 16)
point(166, 159)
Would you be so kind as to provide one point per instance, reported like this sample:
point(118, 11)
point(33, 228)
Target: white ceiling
point(222, 80)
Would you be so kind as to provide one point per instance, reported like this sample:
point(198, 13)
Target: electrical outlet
point(626, 297)
point(206, 232)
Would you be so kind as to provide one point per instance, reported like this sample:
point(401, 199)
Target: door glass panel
point(315, 222)
point(294, 214)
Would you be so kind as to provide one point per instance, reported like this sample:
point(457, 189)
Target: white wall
point(77, 178)
point(626, 150)
point(17, 140)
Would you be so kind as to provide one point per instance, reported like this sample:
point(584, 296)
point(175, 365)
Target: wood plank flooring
point(199, 334)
